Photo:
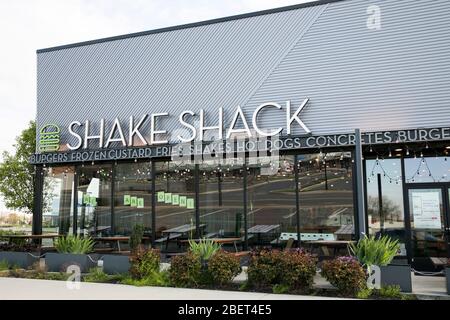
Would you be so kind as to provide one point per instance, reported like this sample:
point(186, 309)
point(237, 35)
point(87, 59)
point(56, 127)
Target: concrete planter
point(21, 259)
point(115, 264)
point(447, 276)
point(397, 275)
point(58, 262)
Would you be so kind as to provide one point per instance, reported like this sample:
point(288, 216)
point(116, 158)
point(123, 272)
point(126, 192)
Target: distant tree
point(17, 175)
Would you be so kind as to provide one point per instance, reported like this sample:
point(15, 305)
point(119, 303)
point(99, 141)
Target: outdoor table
point(233, 241)
point(262, 229)
point(116, 239)
point(31, 236)
point(180, 230)
point(335, 245)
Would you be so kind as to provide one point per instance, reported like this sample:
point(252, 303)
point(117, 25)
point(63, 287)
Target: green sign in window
point(161, 196)
point(168, 198)
point(126, 200)
point(182, 201)
point(175, 199)
point(133, 201)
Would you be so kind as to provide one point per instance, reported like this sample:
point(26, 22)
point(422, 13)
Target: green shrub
point(96, 275)
point(185, 270)
point(144, 263)
point(223, 267)
point(345, 273)
point(372, 251)
point(298, 269)
point(156, 278)
point(74, 244)
point(136, 237)
point(295, 268)
point(264, 268)
point(280, 288)
point(4, 265)
point(205, 248)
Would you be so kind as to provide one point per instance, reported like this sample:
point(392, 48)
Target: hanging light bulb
point(407, 151)
point(370, 150)
point(390, 153)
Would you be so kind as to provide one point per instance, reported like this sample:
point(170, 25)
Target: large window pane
point(58, 200)
point(427, 169)
point(221, 199)
point(326, 196)
point(390, 220)
point(175, 199)
point(133, 197)
point(94, 200)
point(271, 200)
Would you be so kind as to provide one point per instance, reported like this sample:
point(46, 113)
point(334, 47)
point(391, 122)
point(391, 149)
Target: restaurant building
point(319, 121)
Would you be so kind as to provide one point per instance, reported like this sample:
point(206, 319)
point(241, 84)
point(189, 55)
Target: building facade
point(324, 120)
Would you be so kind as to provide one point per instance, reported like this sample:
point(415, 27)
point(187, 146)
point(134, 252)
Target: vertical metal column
point(359, 185)
point(197, 198)
point(380, 203)
point(244, 172)
point(38, 187)
point(297, 201)
point(112, 196)
point(153, 195)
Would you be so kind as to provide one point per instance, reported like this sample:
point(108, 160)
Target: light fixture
point(398, 150)
point(390, 153)
point(407, 151)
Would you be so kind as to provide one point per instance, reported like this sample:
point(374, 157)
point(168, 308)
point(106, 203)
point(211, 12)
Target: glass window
point(175, 200)
point(271, 200)
point(58, 200)
point(427, 169)
point(132, 197)
point(94, 200)
point(221, 199)
point(326, 196)
point(390, 220)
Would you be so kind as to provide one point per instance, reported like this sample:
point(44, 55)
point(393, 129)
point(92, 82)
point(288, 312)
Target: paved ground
point(26, 289)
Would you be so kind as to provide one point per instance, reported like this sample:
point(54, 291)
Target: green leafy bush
point(372, 251)
point(280, 288)
point(295, 268)
point(298, 269)
point(136, 237)
point(223, 267)
point(74, 244)
point(346, 274)
point(391, 292)
point(156, 278)
point(144, 263)
point(205, 248)
point(364, 293)
point(185, 270)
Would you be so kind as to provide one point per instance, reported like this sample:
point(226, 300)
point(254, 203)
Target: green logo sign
point(49, 138)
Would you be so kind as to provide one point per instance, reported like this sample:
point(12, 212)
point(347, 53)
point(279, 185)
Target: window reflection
point(221, 199)
point(271, 200)
point(94, 200)
point(326, 195)
point(58, 200)
point(390, 220)
point(133, 197)
point(427, 169)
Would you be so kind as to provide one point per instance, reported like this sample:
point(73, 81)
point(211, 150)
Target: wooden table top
point(216, 240)
point(117, 238)
point(263, 228)
point(31, 236)
point(182, 229)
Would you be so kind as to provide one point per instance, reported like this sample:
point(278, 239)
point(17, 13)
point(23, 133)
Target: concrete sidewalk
point(28, 289)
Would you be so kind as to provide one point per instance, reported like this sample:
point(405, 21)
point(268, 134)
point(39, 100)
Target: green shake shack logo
point(49, 138)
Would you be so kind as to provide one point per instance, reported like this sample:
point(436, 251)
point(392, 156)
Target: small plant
point(97, 275)
point(264, 268)
point(346, 274)
point(390, 292)
point(372, 251)
point(136, 237)
point(156, 278)
point(144, 263)
point(364, 293)
point(223, 267)
point(185, 270)
point(204, 248)
point(74, 245)
point(4, 265)
point(280, 288)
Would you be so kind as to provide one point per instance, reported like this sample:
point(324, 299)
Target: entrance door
point(429, 217)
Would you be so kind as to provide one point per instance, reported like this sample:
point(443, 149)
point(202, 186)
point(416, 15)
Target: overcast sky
point(28, 25)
